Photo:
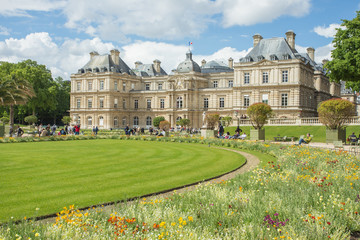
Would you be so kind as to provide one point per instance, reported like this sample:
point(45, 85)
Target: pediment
point(264, 62)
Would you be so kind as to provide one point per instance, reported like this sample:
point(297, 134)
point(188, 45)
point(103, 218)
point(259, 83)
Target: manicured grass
point(295, 131)
point(51, 175)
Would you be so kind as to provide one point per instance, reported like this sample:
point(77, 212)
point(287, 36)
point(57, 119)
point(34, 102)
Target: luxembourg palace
point(108, 94)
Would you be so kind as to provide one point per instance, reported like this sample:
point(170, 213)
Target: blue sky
point(62, 33)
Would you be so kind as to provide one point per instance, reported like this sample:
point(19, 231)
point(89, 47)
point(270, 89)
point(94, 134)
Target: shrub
point(31, 119)
point(164, 125)
point(157, 120)
point(333, 113)
point(212, 120)
point(259, 113)
point(66, 119)
point(225, 121)
point(183, 122)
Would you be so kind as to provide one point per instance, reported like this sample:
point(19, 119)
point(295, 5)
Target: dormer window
point(248, 59)
point(286, 57)
point(260, 58)
point(273, 57)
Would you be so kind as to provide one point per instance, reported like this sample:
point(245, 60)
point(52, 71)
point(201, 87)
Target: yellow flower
point(180, 219)
point(190, 219)
point(173, 224)
point(37, 234)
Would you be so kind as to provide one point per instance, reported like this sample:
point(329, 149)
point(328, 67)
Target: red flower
point(328, 223)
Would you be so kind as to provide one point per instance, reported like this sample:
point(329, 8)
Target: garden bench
point(338, 145)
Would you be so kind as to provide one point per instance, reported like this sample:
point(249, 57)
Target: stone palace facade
point(108, 94)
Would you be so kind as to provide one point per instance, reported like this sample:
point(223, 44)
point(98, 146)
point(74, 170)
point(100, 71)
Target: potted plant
point(211, 120)
point(334, 113)
point(258, 113)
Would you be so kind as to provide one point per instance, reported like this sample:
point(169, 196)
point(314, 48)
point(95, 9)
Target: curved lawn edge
point(250, 163)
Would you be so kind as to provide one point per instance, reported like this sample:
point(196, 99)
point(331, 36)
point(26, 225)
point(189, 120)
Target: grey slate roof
point(188, 65)
point(270, 49)
point(215, 66)
point(147, 70)
point(278, 49)
point(104, 63)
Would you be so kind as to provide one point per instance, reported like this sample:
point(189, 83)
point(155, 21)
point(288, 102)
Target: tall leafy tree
point(15, 88)
point(345, 63)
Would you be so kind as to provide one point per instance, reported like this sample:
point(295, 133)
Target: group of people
point(51, 130)
point(239, 134)
point(134, 131)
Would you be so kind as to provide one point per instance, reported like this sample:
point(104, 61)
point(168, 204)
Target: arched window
point(116, 122)
point(124, 121)
point(179, 102)
point(177, 119)
point(136, 121)
point(89, 121)
point(78, 120)
point(148, 121)
point(101, 121)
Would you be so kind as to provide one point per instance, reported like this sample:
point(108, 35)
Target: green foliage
point(334, 112)
point(259, 113)
point(157, 121)
point(184, 122)
point(346, 55)
point(212, 120)
point(66, 119)
point(5, 118)
point(165, 125)
point(31, 119)
point(226, 121)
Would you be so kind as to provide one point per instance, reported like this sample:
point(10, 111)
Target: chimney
point(137, 64)
point(93, 54)
point(311, 53)
point(157, 65)
point(324, 61)
point(290, 38)
point(257, 37)
point(115, 56)
point(231, 63)
point(203, 62)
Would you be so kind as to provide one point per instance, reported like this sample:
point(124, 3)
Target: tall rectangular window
point(132, 86)
point(124, 87)
point(101, 85)
point(116, 85)
point(246, 78)
point(285, 76)
point(215, 84)
point(284, 99)
point(115, 103)
point(221, 102)
point(101, 103)
point(124, 104)
point(231, 83)
point(89, 85)
point(162, 103)
point(206, 103)
point(89, 103)
point(265, 77)
point(160, 86)
point(148, 103)
point(78, 86)
point(136, 104)
point(246, 100)
point(147, 86)
point(78, 103)
point(265, 98)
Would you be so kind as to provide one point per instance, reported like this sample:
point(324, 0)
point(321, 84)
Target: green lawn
point(295, 131)
point(51, 175)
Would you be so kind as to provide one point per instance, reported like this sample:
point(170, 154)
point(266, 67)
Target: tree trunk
point(11, 116)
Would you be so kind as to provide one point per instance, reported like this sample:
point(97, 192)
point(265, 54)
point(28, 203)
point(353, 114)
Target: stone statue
point(203, 119)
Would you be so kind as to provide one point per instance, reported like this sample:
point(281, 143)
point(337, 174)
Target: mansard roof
point(104, 63)
point(270, 49)
point(147, 70)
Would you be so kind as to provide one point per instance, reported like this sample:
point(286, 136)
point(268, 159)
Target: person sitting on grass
point(227, 136)
point(243, 136)
point(306, 140)
point(236, 135)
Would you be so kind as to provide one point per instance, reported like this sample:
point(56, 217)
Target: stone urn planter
point(257, 134)
point(208, 133)
point(336, 135)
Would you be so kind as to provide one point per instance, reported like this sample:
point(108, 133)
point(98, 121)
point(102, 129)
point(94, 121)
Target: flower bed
point(307, 194)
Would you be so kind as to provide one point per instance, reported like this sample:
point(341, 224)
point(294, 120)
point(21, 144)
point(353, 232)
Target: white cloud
point(250, 12)
point(66, 58)
point(321, 53)
point(114, 20)
point(328, 32)
point(21, 7)
point(62, 59)
point(4, 31)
